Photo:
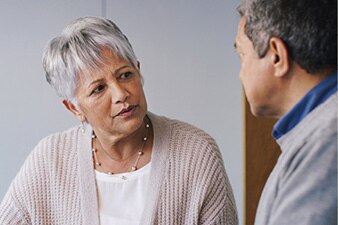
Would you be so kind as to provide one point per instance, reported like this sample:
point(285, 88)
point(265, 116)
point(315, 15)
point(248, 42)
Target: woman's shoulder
point(51, 162)
point(65, 135)
point(54, 145)
point(184, 135)
point(181, 128)
point(52, 152)
point(189, 147)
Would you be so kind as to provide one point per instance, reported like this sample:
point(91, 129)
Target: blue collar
point(311, 100)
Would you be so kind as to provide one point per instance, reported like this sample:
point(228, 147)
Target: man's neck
point(298, 83)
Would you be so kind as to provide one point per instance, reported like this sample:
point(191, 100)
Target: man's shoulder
point(321, 123)
point(313, 141)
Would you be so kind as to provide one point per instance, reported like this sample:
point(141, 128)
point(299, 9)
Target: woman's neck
point(123, 154)
point(121, 145)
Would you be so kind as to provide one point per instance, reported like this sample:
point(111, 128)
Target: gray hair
point(79, 49)
point(307, 27)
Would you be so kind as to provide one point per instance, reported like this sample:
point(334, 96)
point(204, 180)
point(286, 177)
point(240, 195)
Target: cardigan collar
point(88, 189)
point(88, 193)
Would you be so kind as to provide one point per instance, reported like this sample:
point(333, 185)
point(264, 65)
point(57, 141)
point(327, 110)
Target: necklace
point(139, 153)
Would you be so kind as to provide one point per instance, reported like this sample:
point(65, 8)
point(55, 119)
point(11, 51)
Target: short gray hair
point(307, 27)
point(79, 49)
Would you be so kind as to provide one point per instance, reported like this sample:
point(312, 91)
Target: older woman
point(123, 164)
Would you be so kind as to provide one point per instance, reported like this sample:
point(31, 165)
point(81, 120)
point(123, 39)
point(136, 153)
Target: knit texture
point(302, 188)
point(188, 183)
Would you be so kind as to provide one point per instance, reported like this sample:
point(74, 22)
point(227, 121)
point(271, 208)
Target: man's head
point(279, 41)
point(307, 27)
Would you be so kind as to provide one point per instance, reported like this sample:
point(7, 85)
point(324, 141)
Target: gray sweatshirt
point(302, 188)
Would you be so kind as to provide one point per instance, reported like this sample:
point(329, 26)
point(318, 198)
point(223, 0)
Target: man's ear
point(281, 56)
point(72, 108)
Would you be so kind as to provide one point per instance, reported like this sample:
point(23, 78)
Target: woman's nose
point(119, 93)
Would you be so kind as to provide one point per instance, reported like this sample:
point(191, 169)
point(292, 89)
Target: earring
point(83, 128)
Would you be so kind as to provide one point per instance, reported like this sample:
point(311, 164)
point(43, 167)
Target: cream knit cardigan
point(188, 183)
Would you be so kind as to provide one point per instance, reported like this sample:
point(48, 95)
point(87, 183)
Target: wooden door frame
point(260, 156)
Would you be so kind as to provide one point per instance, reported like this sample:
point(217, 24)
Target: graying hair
point(307, 27)
point(79, 49)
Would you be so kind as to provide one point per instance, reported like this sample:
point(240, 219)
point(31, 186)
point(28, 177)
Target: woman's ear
point(73, 109)
point(281, 57)
point(139, 70)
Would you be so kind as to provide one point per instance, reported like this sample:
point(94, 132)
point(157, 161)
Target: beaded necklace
point(139, 153)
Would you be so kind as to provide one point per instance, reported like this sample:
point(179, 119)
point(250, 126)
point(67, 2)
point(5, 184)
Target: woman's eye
point(98, 89)
point(125, 75)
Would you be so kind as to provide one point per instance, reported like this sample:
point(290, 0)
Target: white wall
point(187, 59)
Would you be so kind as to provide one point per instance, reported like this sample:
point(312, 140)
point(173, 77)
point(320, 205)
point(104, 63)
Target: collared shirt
point(310, 101)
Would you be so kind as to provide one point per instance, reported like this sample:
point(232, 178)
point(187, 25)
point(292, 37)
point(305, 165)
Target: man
point(288, 53)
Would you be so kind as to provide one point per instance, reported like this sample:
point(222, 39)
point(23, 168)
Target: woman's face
point(112, 100)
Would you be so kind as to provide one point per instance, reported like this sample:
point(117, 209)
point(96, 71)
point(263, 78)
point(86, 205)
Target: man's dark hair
point(307, 27)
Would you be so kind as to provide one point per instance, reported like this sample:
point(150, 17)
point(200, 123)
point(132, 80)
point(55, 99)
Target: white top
point(122, 196)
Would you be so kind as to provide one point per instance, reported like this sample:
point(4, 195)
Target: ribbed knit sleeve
point(219, 206)
point(196, 189)
point(10, 213)
point(46, 189)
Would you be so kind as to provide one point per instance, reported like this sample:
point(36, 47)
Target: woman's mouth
point(127, 111)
